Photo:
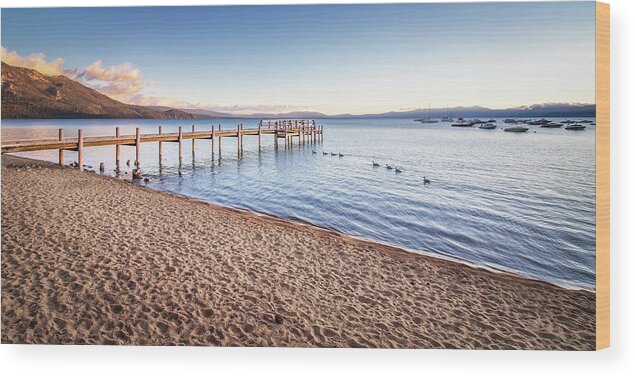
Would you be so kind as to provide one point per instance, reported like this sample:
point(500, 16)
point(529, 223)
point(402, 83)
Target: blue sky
point(328, 58)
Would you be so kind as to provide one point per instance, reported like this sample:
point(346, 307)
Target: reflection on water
point(519, 202)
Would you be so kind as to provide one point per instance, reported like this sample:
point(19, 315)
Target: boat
point(487, 126)
point(551, 125)
point(575, 127)
point(586, 121)
point(539, 122)
point(568, 122)
point(517, 129)
point(447, 118)
point(510, 121)
point(427, 120)
point(463, 123)
point(491, 121)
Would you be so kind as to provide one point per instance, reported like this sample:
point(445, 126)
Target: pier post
point(180, 143)
point(61, 151)
point(275, 136)
point(212, 143)
point(193, 139)
point(238, 137)
point(80, 149)
point(137, 147)
point(259, 133)
point(117, 149)
point(219, 144)
point(160, 143)
point(242, 126)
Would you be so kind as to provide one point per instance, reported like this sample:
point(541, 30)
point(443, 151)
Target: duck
point(389, 167)
point(333, 153)
point(128, 162)
point(314, 152)
point(397, 169)
point(426, 181)
point(375, 164)
point(325, 153)
point(341, 155)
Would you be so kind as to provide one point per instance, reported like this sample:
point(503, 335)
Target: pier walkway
point(286, 129)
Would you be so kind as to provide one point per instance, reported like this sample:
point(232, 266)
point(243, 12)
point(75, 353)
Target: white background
point(109, 360)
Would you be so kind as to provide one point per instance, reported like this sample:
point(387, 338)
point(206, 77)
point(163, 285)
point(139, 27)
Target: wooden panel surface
point(602, 160)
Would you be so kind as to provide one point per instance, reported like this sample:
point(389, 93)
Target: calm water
point(518, 202)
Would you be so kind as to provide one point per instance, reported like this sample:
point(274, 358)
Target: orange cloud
point(121, 81)
point(35, 61)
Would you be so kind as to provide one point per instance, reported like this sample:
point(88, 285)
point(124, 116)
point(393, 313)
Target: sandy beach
point(88, 259)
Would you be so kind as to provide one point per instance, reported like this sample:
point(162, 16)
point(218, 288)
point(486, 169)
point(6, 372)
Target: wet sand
point(88, 259)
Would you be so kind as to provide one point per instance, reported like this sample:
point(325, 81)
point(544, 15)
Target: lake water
point(523, 203)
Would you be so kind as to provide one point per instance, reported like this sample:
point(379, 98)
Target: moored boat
point(463, 123)
point(517, 129)
point(575, 127)
point(551, 125)
point(538, 122)
point(487, 126)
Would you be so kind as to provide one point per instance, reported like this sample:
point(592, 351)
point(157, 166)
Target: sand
point(88, 259)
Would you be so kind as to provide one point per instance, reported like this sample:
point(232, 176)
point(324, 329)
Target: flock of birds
point(375, 164)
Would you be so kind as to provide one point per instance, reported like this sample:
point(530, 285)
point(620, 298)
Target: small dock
point(304, 131)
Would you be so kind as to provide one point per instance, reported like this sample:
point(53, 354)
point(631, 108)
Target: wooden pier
point(303, 130)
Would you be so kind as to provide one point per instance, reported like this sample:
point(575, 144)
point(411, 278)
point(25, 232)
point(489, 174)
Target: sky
point(328, 58)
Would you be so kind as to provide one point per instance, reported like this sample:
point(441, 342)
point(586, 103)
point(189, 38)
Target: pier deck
point(304, 130)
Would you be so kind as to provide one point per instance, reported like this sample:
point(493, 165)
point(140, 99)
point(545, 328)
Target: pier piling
point(160, 143)
point(238, 139)
point(117, 149)
point(80, 149)
point(180, 143)
point(137, 147)
point(259, 133)
point(212, 137)
point(193, 139)
point(61, 151)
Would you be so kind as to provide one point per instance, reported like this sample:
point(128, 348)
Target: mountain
point(27, 93)
point(536, 110)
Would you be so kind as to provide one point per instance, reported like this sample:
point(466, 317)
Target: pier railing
point(303, 130)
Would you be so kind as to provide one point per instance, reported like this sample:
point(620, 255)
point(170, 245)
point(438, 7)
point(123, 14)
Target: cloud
point(125, 83)
point(35, 61)
point(121, 81)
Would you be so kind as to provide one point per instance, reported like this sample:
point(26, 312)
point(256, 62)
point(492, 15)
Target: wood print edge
point(602, 149)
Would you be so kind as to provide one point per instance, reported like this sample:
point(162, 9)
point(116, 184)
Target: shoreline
point(408, 267)
point(398, 248)
point(298, 222)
